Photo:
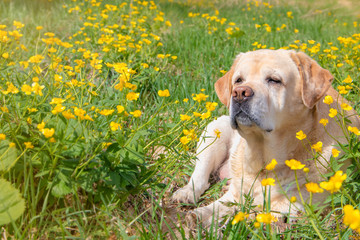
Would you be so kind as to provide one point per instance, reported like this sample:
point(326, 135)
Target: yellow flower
point(210, 106)
point(217, 133)
point(268, 181)
point(28, 145)
point(334, 183)
point(79, 112)
point(114, 126)
point(185, 100)
point(106, 112)
point(196, 114)
point(335, 153)
point(240, 216)
point(271, 165)
point(184, 117)
point(27, 89)
point(41, 126)
point(52, 140)
point(200, 97)
point(18, 24)
point(11, 145)
point(306, 170)
point(2, 136)
point(48, 132)
point(354, 130)
point(164, 93)
point(5, 55)
point(36, 59)
point(294, 164)
point(317, 146)
point(120, 108)
point(257, 225)
point(37, 89)
point(136, 113)
point(342, 90)
point(132, 96)
point(351, 217)
point(328, 100)
point(32, 110)
point(346, 107)
point(333, 112)
point(205, 115)
point(68, 115)
point(313, 188)
point(324, 121)
point(293, 199)
point(265, 218)
point(348, 79)
point(58, 109)
point(300, 135)
point(185, 140)
point(57, 101)
point(39, 28)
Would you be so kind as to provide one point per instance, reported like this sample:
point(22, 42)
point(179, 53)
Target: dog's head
point(267, 89)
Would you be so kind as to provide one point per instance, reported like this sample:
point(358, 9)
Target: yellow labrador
point(271, 95)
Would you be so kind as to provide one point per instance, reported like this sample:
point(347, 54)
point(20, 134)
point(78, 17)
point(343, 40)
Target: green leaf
point(60, 189)
point(8, 156)
point(12, 205)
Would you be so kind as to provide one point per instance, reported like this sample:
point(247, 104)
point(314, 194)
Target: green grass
point(77, 187)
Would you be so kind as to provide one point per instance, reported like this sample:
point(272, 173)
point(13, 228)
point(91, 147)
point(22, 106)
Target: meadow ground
point(102, 103)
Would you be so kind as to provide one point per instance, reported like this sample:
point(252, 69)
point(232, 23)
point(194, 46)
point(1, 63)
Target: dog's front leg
point(211, 153)
point(216, 211)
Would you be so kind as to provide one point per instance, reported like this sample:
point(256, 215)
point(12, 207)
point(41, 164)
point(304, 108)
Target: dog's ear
point(223, 86)
point(315, 79)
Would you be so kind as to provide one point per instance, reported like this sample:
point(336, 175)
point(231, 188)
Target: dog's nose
point(242, 93)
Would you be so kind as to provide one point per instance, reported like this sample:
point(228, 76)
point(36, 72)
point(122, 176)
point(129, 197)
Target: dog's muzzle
point(240, 113)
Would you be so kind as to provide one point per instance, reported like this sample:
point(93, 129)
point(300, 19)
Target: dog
point(271, 95)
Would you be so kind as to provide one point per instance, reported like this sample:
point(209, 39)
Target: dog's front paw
point(186, 195)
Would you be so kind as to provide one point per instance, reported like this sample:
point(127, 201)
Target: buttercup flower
point(294, 164)
point(332, 112)
point(300, 135)
point(2, 136)
point(317, 146)
point(354, 130)
point(28, 145)
point(217, 133)
point(164, 93)
point(265, 218)
point(185, 140)
point(313, 188)
point(328, 100)
point(120, 108)
point(136, 113)
point(271, 165)
point(351, 217)
point(268, 181)
point(334, 183)
point(293, 199)
point(48, 132)
point(106, 112)
point(346, 107)
point(131, 96)
point(240, 216)
point(200, 97)
point(324, 121)
point(184, 117)
point(335, 153)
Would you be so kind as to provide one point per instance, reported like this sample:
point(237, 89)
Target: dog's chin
point(243, 120)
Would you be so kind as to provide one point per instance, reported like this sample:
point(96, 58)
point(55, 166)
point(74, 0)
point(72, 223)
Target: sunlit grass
point(97, 142)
